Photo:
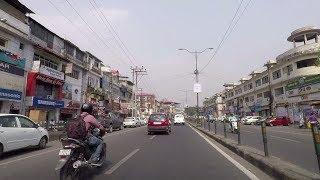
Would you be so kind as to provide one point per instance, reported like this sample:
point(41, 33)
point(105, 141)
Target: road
point(288, 143)
point(132, 154)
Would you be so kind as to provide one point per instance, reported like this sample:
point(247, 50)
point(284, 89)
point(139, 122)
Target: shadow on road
point(91, 173)
point(19, 152)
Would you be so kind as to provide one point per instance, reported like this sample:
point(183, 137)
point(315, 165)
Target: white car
point(18, 131)
point(143, 121)
point(252, 119)
point(130, 122)
point(178, 119)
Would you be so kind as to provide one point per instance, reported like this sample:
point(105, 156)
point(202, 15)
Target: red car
point(278, 121)
point(159, 123)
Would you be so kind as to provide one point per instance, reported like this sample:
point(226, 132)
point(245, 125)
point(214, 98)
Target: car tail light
point(150, 122)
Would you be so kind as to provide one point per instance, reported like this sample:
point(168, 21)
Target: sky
point(153, 30)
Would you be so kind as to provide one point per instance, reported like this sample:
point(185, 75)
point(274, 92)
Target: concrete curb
point(273, 166)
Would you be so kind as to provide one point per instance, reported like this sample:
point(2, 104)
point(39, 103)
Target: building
point(146, 104)
point(16, 54)
point(215, 105)
point(168, 107)
point(287, 86)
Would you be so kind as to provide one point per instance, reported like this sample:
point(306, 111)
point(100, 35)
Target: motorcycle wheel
point(70, 173)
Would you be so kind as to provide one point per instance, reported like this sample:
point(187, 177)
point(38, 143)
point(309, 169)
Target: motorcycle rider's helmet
point(87, 108)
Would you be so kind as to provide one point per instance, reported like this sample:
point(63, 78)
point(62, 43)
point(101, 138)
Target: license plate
point(157, 123)
point(64, 152)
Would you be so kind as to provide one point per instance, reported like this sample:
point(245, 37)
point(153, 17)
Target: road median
point(273, 166)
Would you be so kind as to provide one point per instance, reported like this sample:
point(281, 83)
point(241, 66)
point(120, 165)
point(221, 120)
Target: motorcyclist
point(92, 123)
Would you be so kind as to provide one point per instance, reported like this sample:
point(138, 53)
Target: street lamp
point(196, 71)
point(269, 65)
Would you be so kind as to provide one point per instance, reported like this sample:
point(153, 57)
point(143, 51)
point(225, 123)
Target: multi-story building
point(215, 105)
point(287, 86)
point(146, 104)
point(16, 54)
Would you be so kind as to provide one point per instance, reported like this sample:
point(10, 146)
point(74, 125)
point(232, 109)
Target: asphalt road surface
point(290, 144)
point(132, 154)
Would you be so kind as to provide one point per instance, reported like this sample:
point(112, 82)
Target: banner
point(10, 94)
point(41, 102)
point(9, 68)
point(8, 57)
point(51, 72)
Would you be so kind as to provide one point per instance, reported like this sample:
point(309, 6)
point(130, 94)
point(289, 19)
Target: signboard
point(9, 68)
point(51, 72)
point(35, 66)
point(7, 81)
point(304, 81)
point(10, 94)
point(69, 68)
point(49, 80)
point(41, 102)
point(197, 88)
point(8, 57)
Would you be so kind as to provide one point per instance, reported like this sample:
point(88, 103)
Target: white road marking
point(152, 137)
point(234, 162)
point(286, 139)
point(28, 157)
point(116, 166)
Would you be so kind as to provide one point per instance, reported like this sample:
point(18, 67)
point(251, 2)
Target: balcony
point(299, 51)
point(14, 25)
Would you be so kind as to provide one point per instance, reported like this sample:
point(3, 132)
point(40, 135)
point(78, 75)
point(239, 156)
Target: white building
point(293, 80)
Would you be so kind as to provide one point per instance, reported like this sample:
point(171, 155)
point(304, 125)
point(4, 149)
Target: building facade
point(146, 104)
point(287, 86)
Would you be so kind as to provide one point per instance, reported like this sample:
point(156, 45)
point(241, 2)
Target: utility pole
point(136, 72)
point(196, 72)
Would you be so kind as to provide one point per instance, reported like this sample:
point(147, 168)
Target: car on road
point(144, 121)
point(130, 122)
point(263, 119)
point(18, 131)
point(111, 121)
point(159, 123)
point(178, 119)
point(278, 121)
point(252, 120)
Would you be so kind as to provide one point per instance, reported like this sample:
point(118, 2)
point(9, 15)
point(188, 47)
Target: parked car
point(130, 122)
point(278, 121)
point(263, 119)
point(243, 119)
point(144, 121)
point(111, 122)
point(159, 123)
point(178, 119)
point(18, 131)
point(252, 120)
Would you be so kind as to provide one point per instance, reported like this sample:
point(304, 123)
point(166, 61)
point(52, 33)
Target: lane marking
point(152, 137)
point(286, 139)
point(234, 162)
point(28, 157)
point(122, 161)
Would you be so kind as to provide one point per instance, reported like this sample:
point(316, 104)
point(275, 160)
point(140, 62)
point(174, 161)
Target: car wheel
point(121, 127)
point(1, 150)
point(42, 143)
point(110, 129)
point(149, 132)
point(271, 124)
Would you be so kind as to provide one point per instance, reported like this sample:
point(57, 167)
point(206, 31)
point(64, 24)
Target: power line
point(224, 35)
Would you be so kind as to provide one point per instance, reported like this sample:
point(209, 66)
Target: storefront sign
point(303, 81)
point(10, 94)
point(7, 81)
point(9, 68)
point(49, 80)
point(41, 102)
point(51, 72)
point(13, 59)
point(303, 90)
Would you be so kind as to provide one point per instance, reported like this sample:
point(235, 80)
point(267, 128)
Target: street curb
point(272, 166)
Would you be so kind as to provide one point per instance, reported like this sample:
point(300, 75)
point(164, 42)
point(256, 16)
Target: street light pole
point(196, 72)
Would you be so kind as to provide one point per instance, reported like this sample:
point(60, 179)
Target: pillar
point(305, 39)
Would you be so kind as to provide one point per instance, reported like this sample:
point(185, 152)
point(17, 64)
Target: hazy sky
point(154, 30)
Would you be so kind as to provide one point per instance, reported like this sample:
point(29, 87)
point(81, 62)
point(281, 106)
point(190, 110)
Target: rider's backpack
point(76, 128)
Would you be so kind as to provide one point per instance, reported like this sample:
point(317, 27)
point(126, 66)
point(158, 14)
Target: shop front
point(12, 83)
point(44, 95)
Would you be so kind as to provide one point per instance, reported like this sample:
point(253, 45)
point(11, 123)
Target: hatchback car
point(130, 122)
point(252, 120)
point(278, 121)
point(111, 122)
point(159, 123)
point(178, 119)
point(18, 131)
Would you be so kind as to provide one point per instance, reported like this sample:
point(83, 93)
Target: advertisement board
point(197, 88)
point(7, 81)
point(9, 68)
point(10, 94)
point(51, 72)
point(42, 102)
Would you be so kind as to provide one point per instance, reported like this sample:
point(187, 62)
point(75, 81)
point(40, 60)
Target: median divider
point(271, 165)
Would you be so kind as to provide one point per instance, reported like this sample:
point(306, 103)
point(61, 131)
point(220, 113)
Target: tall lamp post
point(269, 64)
point(196, 72)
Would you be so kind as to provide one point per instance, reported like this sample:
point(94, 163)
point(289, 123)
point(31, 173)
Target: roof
point(298, 35)
point(93, 56)
point(16, 4)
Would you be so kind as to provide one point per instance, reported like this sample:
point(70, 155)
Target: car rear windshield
point(179, 116)
point(157, 117)
point(128, 119)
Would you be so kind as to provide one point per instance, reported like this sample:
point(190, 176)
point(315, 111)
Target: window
point(96, 64)
point(250, 86)
point(251, 98)
point(45, 62)
point(278, 91)
point(3, 42)
point(245, 87)
point(246, 99)
point(306, 63)
point(265, 80)
point(259, 95)
point(8, 121)
point(25, 123)
point(79, 55)
point(258, 82)
point(276, 74)
point(21, 46)
point(288, 69)
point(45, 90)
point(74, 74)
point(267, 94)
point(69, 49)
point(41, 33)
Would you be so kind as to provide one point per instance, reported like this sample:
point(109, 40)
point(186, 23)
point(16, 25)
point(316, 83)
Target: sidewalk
point(54, 135)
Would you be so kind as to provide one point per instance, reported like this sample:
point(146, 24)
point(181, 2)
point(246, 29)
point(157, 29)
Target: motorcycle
point(74, 157)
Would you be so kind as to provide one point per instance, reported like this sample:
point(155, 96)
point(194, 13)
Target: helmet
point(87, 108)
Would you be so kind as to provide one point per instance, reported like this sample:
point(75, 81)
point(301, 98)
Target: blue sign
point(41, 102)
point(10, 94)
